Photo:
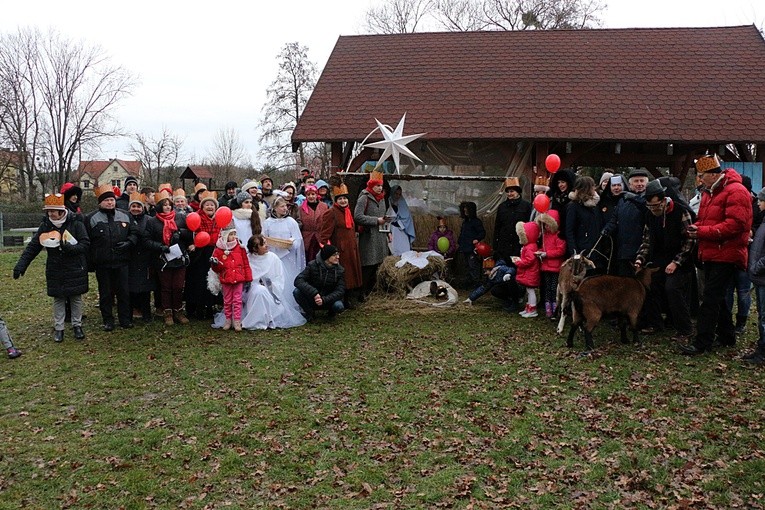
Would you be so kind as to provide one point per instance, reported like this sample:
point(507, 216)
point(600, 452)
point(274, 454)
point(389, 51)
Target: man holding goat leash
point(722, 230)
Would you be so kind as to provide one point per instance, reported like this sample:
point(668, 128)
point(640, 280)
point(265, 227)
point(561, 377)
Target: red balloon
point(483, 249)
point(193, 221)
point(542, 203)
point(117, 191)
point(552, 163)
point(201, 239)
point(223, 216)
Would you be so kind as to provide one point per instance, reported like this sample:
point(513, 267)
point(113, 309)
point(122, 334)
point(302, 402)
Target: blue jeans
point(309, 305)
point(759, 291)
point(743, 286)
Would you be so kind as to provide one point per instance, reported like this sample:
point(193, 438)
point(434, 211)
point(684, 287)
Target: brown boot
point(180, 317)
point(168, 317)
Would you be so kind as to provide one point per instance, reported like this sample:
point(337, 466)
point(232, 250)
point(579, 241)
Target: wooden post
point(336, 159)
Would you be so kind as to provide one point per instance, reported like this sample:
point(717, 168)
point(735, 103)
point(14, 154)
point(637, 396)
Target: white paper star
point(394, 143)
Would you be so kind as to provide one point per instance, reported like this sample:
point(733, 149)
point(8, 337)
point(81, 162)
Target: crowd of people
point(284, 253)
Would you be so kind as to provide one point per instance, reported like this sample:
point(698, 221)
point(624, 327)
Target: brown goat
point(572, 272)
point(601, 295)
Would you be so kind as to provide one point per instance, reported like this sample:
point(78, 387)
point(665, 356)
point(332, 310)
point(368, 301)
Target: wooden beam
point(426, 177)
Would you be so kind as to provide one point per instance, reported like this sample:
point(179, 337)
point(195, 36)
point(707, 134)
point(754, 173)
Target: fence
point(15, 227)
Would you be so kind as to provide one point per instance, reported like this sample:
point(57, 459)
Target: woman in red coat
point(311, 211)
point(339, 229)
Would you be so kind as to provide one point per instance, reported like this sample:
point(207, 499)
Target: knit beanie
point(327, 251)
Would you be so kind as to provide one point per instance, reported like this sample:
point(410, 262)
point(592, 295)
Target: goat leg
point(588, 344)
point(623, 330)
point(571, 333)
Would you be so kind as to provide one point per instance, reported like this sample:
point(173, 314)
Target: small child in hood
point(229, 260)
point(552, 255)
point(528, 265)
point(442, 230)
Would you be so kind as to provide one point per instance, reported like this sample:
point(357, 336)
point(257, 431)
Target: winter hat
point(248, 184)
point(69, 189)
point(129, 180)
point(761, 195)
point(639, 172)
point(242, 196)
point(617, 179)
point(528, 232)
point(311, 188)
point(328, 251)
point(230, 185)
point(605, 177)
point(654, 188)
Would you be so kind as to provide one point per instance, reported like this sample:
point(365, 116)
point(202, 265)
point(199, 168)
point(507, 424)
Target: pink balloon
point(201, 239)
point(552, 163)
point(542, 203)
point(193, 221)
point(223, 216)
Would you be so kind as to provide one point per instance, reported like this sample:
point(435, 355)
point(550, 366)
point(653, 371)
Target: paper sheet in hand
point(175, 253)
point(69, 238)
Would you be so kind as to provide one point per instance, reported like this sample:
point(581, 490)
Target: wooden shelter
point(638, 97)
point(196, 174)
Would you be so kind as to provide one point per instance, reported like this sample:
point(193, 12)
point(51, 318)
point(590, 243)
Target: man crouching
point(321, 285)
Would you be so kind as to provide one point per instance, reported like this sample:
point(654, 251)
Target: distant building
point(91, 174)
point(10, 164)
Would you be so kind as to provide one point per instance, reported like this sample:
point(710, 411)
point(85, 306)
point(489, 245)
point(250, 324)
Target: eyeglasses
point(655, 206)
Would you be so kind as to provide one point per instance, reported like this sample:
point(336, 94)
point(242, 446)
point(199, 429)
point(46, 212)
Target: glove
point(247, 286)
point(17, 273)
point(507, 277)
point(165, 249)
point(214, 261)
point(122, 246)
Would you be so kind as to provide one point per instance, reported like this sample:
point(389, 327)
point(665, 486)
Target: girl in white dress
point(281, 226)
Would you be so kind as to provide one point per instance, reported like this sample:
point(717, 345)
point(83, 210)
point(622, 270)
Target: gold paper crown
point(542, 181)
point(376, 176)
point(103, 189)
point(208, 195)
point(511, 182)
point(166, 186)
point(707, 163)
point(339, 190)
point(180, 192)
point(137, 197)
point(199, 186)
point(162, 195)
point(54, 202)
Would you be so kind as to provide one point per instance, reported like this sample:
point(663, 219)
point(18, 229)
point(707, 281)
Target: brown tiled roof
point(637, 84)
point(200, 171)
point(96, 168)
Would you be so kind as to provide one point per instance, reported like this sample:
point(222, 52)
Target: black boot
point(740, 324)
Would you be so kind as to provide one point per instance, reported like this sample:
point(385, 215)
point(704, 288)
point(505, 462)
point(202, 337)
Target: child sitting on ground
point(442, 231)
point(229, 260)
point(528, 265)
point(500, 273)
point(552, 254)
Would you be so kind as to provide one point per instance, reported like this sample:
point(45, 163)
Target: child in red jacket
point(552, 254)
point(528, 265)
point(229, 260)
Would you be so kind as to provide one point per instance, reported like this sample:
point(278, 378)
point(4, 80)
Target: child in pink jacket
point(552, 254)
point(528, 265)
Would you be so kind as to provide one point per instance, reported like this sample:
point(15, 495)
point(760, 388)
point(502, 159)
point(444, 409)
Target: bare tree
point(542, 14)
point(460, 15)
point(397, 16)
point(228, 152)
point(156, 153)
point(285, 100)
point(58, 96)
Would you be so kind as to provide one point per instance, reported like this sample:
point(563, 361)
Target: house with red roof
point(498, 103)
point(91, 174)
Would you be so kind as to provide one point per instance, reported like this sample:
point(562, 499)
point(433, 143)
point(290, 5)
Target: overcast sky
point(201, 69)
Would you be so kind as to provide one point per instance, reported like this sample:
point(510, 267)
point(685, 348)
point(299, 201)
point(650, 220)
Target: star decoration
point(394, 142)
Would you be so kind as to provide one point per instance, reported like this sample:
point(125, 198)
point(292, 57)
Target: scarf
point(306, 205)
point(59, 223)
point(242, 214)
point(371, 184)
point(168, 226)
point(208, 225)
point(348, 216)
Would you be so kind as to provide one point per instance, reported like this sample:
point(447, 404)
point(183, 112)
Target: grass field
point(390, 406)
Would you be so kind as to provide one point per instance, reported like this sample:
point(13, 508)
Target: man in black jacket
point(321, 285)
point(131, 186)
point(112, 236)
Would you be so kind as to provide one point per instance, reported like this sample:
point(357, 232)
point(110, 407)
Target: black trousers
point(714, 316)
point(669, 292)
point(114, 280)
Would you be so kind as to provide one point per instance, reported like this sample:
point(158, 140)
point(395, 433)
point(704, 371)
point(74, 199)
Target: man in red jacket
point(722, 229)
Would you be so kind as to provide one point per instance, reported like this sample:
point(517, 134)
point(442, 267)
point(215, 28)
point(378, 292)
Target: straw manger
point(402, 280)
point(278, 242)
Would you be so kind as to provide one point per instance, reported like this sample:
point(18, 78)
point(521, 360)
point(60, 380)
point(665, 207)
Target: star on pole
point(394, 143)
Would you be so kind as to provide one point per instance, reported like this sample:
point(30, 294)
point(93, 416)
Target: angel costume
point(293, 258)
point(266, 305)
